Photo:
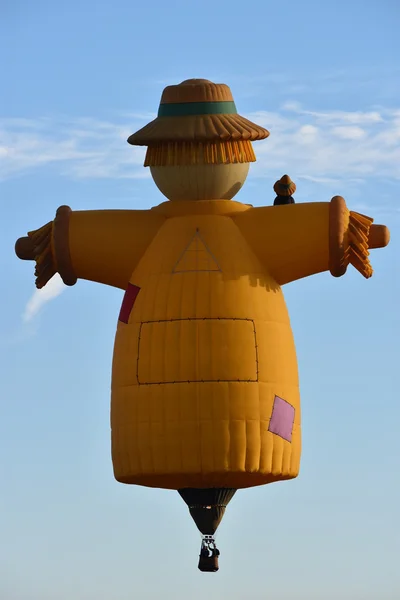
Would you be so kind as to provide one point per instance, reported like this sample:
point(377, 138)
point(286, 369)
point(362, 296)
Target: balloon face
point(195, 182)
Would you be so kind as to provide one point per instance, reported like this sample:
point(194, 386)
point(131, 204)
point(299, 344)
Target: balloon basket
point(209, 553)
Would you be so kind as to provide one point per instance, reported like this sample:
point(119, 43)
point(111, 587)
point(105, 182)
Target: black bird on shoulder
point(284, 189)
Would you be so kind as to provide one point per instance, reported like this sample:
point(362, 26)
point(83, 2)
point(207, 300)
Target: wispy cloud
point(376, 82)
point(327, 180)
point(329, 145)
point(40, 297)
point(322, 144)
point(349, 132)
point(335, 116)
point(78, 148)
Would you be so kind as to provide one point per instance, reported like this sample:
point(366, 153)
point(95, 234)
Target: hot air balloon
point(205, 391)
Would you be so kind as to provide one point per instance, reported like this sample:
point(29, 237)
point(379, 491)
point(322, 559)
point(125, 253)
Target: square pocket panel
point(197, 350)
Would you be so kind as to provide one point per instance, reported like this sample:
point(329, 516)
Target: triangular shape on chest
point(196, 257)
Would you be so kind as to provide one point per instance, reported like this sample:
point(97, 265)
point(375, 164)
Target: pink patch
point(282, 419)
point(128, 302)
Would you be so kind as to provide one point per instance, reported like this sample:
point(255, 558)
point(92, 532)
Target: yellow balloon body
point(206, 349)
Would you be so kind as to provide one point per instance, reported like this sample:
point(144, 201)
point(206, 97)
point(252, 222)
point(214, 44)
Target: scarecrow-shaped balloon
point(205, 390)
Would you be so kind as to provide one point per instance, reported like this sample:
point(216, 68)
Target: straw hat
point(197, 110)
point(285, 186)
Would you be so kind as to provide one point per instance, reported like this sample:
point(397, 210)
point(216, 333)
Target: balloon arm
point(103, 246)
point(291, 241)
point(299, 240)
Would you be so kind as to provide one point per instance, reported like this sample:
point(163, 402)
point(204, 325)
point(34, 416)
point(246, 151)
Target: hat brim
point(198, 128)
point(281, 190)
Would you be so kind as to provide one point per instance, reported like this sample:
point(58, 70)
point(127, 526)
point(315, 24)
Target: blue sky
point(77, 79)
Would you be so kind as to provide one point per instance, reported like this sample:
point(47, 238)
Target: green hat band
point(186, 109)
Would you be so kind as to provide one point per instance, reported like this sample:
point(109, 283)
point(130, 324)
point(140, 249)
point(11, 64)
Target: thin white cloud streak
point(324, 145)
point(41, 297)
point(349, 132)
point(335, 116)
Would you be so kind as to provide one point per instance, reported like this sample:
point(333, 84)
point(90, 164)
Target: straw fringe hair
point(195, 153)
